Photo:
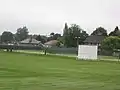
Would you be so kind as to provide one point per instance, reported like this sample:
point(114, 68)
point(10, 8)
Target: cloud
point(44, 16)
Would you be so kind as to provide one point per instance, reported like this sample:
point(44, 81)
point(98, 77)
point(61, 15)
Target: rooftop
point(30, 40)
point(94, 39)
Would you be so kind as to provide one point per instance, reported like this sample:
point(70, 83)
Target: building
point(94, 40)
point(30, 41)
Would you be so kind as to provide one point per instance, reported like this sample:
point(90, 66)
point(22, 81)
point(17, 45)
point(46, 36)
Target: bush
point(111, 43)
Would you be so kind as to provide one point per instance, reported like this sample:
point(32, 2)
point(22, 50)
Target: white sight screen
point(87, 52)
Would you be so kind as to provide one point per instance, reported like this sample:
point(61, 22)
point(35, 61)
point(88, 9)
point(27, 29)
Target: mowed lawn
point(38, 72)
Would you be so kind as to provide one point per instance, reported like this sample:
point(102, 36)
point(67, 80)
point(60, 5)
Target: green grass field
point(38, 72)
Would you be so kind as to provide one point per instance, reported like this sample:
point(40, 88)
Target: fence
point(56, 50)
point(20, 47)
point(102, 54)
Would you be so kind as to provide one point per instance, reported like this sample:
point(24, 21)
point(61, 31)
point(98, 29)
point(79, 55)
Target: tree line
point(72, 36)
point(23, 33)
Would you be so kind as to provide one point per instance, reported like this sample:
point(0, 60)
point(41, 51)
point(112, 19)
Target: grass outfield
point(38, 72)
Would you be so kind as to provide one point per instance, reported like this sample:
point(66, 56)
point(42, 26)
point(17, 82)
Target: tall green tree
point(77, 35)
point(66, 35)
point(22, 33)
point(100, 31)
point(116, 32)
point(74, 35)
point(7, 37)
point(65, 30)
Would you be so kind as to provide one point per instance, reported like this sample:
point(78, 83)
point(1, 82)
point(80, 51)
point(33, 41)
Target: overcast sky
point(45, 16)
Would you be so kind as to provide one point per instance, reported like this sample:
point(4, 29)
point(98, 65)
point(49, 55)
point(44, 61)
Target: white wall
point(87, 52)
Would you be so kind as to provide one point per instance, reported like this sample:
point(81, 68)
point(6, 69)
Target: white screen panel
point(87, 52)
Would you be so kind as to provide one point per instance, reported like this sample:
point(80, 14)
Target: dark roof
point(30, 40)
point(94, 39)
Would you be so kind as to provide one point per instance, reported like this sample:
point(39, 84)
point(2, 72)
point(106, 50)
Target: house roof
point(52, 42)
point(30, 40)
point(94, 39)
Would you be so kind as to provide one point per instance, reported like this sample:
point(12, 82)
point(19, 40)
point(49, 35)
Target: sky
point(46, 16)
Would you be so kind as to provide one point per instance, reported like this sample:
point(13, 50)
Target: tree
point(40, 38)
point(83, 36)
point(74, 36)
point(54, 36)
point(22, 33)
point(116, 32)
point(111, 43)
point(100, 31)
point(61, 40)
point(7, 37)
point(65, 30)
point(66, 36)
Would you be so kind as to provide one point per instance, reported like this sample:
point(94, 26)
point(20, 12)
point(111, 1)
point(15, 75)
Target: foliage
point(65, 30)
point(111, 43)
point(54, 36)
point(73, 35)
point(100, 31)
point(61, 39)
point(83, 36)
point(40, 38)
point(66, 35)
point(116, 32)
point(22, 33)
point(7, 37)
point(58, 44)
